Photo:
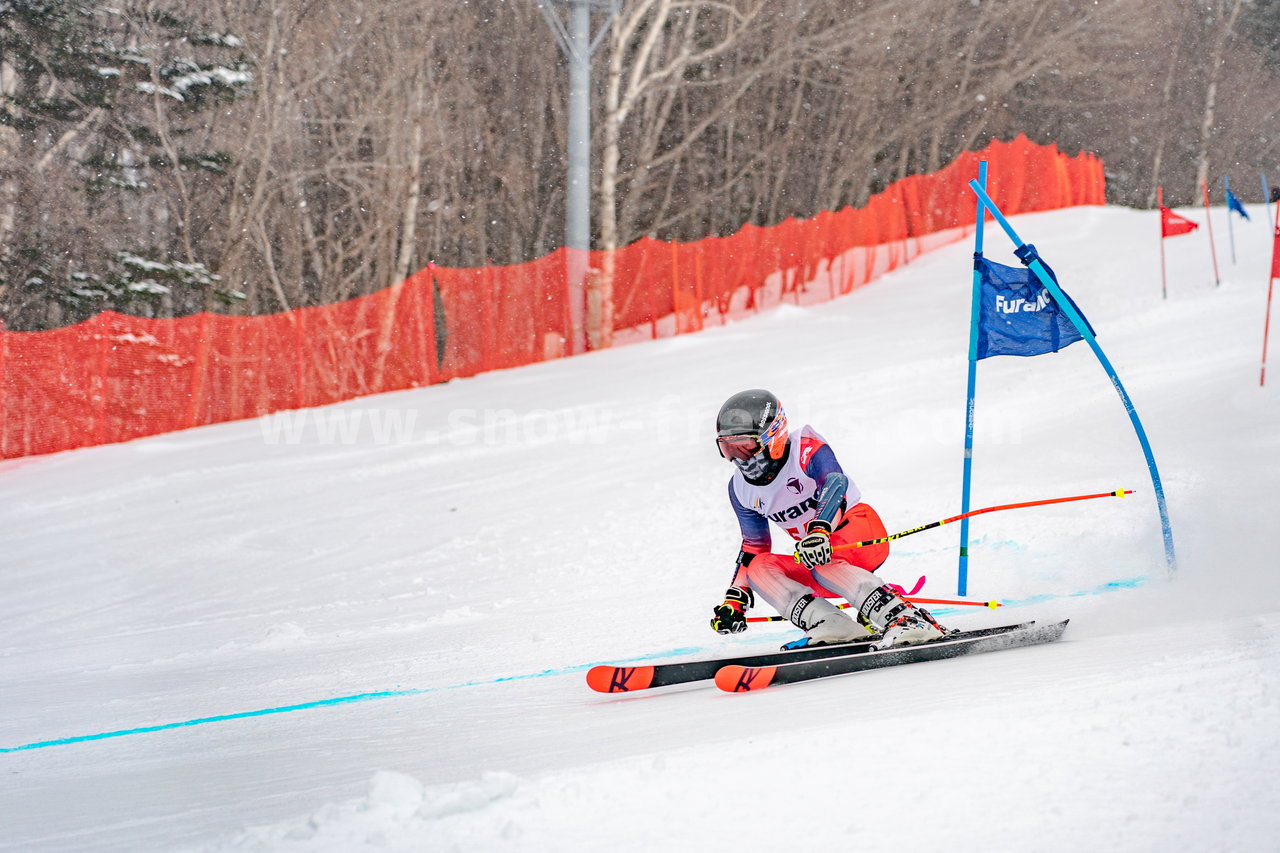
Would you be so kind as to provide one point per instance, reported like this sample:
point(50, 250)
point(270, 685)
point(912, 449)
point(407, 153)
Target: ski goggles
point(739, 447)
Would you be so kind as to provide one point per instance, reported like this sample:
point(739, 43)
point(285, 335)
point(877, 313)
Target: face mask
point(754, 468)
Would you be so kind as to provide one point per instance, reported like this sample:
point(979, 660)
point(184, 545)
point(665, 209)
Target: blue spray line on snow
point(1110, 586)
point(321, 703)
point(355, 698)
point(282, 709)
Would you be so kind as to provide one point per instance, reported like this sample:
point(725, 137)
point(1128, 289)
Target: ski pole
point(992, 604)
point(1118, 493)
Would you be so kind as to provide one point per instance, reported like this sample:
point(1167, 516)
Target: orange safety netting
point(116, 377)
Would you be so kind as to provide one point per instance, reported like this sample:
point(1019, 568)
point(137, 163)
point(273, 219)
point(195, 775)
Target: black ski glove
point(814, 549)
point(729, 617)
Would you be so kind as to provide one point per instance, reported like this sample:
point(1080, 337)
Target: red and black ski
point(626, 679)
point(740, 678)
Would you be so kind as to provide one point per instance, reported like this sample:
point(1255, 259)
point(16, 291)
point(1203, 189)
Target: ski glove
point(814, 549)
point(729, 618)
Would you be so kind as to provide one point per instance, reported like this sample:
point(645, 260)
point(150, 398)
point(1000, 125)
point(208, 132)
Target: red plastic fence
point(116, 377)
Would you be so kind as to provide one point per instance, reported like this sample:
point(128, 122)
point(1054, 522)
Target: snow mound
point(283, 635)
point(398, 813)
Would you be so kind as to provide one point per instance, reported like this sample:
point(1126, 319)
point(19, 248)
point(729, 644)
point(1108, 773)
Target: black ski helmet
point(751, 432)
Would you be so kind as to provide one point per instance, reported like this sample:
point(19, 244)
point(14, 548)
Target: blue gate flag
point(1018, 315)
point(1233, 203)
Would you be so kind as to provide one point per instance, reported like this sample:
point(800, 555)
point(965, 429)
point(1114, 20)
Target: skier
point(796, 482)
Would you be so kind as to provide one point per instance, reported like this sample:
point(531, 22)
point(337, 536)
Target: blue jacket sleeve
point(832, 485)
point(756, 538)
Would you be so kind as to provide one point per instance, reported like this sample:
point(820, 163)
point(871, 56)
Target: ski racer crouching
point(796, 482)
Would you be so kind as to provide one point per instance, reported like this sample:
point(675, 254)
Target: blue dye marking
point(1128, 583)
point(943, 610)
point(1111, 586)
point(988, 544)
point(321, 703)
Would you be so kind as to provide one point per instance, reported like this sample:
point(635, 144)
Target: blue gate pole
point(1266, 199)
point(962, 572)
point(1231, 234)
point(1083, 328)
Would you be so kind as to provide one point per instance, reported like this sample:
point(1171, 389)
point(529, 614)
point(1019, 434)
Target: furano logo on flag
point(1018, 315)
point(1012, 306)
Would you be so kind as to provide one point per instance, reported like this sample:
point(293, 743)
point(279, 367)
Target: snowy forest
point(252, 156)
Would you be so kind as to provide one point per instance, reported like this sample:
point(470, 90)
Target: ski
point(626, 679)
point(739, 678)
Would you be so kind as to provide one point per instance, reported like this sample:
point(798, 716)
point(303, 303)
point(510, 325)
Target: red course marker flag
point(1275, 255)
point(1173, 224)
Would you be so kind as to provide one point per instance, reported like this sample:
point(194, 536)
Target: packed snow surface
point(367, 627)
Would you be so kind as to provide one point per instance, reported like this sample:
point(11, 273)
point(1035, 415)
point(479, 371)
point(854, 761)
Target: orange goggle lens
point(740, 447)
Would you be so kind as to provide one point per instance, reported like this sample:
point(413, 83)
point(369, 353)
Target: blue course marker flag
point(1011, 313)
point(1267, 199)
point(1018, 315)
point(1028, 255)
point(1233, 206)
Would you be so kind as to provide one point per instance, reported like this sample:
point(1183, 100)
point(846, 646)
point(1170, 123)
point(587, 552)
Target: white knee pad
point(775, 587)
point(846, 579)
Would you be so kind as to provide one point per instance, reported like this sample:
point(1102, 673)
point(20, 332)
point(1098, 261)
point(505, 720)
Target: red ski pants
point(860, 523)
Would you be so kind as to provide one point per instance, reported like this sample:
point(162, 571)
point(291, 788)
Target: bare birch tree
point(350, 145)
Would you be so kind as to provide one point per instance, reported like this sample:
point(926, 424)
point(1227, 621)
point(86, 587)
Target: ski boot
point(823, 623)
point(900, 621)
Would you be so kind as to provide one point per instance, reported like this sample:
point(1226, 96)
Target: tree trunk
point(1211, 92)
point(618, 101)
point(1165, 96)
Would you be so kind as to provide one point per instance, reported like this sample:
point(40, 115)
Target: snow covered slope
point(367, 626)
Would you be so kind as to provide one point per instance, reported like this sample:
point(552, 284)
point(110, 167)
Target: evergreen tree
point(1260, 22)
point(104, 148)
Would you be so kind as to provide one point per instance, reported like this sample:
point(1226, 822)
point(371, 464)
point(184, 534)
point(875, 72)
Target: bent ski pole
point(1118, 493)
point(992, 604)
